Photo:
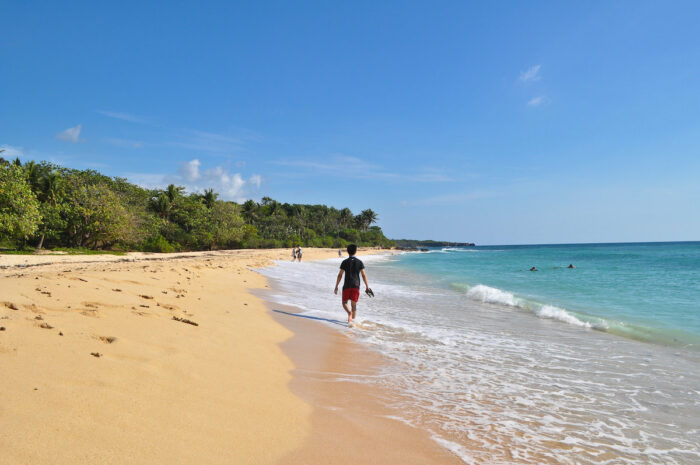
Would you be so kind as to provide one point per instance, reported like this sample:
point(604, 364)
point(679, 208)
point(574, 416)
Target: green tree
point(95, 216)
point(161, 205)
point(223, 226)
point(19, 207)
point(250, 210)
point(368, 218)
point(209, 198)
point(173, 192)
point(52, 196)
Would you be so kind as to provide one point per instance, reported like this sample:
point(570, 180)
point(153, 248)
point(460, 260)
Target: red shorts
point(351, 294)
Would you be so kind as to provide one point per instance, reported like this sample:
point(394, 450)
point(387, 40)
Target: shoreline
point(97, 368)
point(350, 419)
point(495, 383)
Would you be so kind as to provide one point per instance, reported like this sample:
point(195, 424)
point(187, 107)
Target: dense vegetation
point(45, 205)
point(412, 243)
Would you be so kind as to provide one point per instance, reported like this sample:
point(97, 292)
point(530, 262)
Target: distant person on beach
point(340, 253)
point(299, 253)
point(353, 268)
point(294, 253)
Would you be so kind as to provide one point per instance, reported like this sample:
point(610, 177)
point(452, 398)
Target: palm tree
point(173, 191)
point(274, 206)
point(52, 185)
point(346, 217)
point(161, 204)
point(209, 198)
point(35, 176)
point(249, 209)
point(51, 189)
point(366, 218)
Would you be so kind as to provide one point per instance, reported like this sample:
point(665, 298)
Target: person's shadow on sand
point(299, 315)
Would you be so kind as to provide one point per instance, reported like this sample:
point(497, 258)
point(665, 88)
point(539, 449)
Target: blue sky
point(493, 122)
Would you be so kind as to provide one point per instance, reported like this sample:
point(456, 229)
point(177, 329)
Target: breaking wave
point(492, 295)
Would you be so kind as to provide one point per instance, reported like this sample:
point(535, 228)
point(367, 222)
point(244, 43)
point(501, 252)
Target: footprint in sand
point(107, 339)
point(42, 291)
point(10, 305)
point(185, 320)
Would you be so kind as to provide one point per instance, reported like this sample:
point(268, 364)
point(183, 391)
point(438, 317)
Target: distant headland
point(415, 244)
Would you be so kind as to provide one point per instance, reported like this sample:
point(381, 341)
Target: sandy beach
point(154, 359)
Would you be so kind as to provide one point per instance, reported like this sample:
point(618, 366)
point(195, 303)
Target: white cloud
point(255, 180)
point(537, 101)
point(189, 171)
point(71, 134)
point(10, 153)
point(531, 74)
point(148, 180)
point(353, 167)
point(230, 186)
point(123, 116)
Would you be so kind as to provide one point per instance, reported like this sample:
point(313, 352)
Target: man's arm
point(337, 281)
point(364, 278)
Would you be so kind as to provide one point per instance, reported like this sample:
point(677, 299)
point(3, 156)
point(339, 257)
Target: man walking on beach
point(352, 267)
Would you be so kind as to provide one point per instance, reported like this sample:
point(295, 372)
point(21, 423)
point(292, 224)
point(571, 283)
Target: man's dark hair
point(352, 249)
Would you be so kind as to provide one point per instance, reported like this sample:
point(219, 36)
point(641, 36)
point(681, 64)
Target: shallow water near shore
point(509, 374)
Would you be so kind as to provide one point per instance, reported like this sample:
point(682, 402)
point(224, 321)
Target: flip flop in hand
point(369, 292)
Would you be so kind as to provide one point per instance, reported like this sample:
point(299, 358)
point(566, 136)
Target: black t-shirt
point(352, 267)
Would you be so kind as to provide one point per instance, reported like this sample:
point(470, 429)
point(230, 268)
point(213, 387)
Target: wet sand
point(351, 421)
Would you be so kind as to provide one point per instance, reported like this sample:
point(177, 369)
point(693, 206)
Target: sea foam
point(556, 313)
point(491, 384)
point(492, 295)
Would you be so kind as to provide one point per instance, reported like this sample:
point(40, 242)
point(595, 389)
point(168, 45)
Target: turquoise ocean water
point(599, 364)
point(647, 291)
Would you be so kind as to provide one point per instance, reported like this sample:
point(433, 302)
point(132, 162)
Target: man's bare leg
point(347, 309)
point(354, 308)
